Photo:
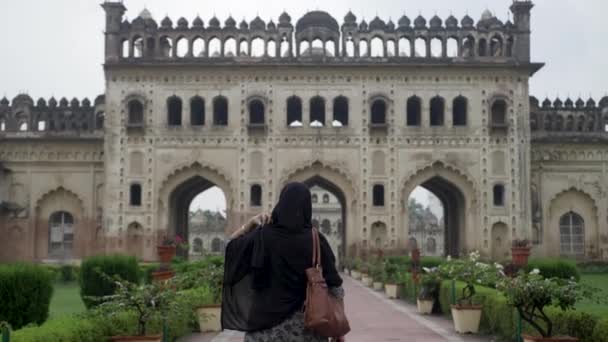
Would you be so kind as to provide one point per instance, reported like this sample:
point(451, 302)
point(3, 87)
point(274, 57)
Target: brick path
point(373, 317)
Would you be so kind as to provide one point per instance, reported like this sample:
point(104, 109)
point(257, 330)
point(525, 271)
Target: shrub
point(431, 261)
point(92, 282)
point(600, 331)
point(68, 273)
point(593, 267)
point(25, 292)
point(574, 323)
point(554, 268)
point(147, 270)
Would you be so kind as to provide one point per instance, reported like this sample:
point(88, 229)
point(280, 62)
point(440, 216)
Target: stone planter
point(378, 286)
point(466, 318)
point(155, 338)
point(347, 271)
point(166, 253)
point(528, 338)
point(355, 274)
point(425, 306)
point(209, 318)
point(520, 255)
point(162, 275)
point(391, 290)
point(367, 280)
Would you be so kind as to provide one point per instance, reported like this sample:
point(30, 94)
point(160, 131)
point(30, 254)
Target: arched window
point(340, 111)
point(317, 111)
point(572, 234)
point(216, 245)
point(256, 112)
point(61, 234)
point(431, 245)
point(496, 47)
point(255, 196)
point(378, 195)
point(459, 111)
point(99, 120)
point(414, 109)
point(136, 113)
point(499, 113)
point(23, 127)
point(315, 198)
point(326, 227)
point(197, 246)
point(135, 195)
point(174, 111)
point(325, 198)
point(483, 48)
point(378, 111)
point(499, 195)
point(2, 125)
point(197, 111)
point(294, 111)
point(220, 111)
point(437, 111)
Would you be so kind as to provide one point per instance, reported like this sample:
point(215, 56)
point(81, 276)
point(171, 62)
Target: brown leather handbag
point(323, 313)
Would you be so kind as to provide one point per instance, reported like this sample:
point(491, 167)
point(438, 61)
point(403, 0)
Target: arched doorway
point(207, 223)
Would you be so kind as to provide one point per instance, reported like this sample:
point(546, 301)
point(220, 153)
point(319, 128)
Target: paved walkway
point(373, 317)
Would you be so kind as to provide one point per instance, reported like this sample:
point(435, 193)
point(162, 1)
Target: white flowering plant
point(472, 272)
point(531, 293)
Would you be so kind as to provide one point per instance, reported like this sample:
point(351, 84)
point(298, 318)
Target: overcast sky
point(55, 47)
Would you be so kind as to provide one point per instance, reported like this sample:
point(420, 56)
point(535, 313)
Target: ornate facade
point(366, 111)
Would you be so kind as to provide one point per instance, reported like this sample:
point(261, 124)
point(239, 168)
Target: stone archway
point(457, 194)
point(179, 189)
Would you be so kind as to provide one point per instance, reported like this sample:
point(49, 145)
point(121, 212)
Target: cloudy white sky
point(55, 48)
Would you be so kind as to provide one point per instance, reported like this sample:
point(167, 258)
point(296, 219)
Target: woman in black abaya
point(264, 279)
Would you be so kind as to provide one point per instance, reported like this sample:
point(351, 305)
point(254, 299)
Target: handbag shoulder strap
point(316, 248)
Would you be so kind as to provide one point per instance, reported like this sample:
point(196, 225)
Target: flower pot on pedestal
point(155, 338)
point(162, 275)
point(166, 253)
point(355, 274)
point(520, 255)
point(466, 318)
point(209, 318)
point(391, 290)
point(425, 306)
point(367, 280)
point(378, 286)
point(528, 338)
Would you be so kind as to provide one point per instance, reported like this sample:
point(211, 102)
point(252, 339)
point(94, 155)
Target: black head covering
point(264, 275)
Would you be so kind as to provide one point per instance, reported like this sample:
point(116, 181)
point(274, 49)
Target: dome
point(41, 102)
point(86, 102)
point(377, 24)
point(284, 18)
point(138, 23)
point(74, 102)
point(214, 22)
point(436, 22)
point(197, 22)
point(271, 25)
point(4, 102)
point(63, 102)
point(52, 102)
point(100, 99)
point(166, 23)
point(182, 23)
point(467, 22)
point(590, 103)
point(546, 103)
point(404, 21)
point(568, 103)
point(317, 19)
point(125, 25)
point(230, 22)
point(509, 24)
point(451, 22)
point(23, 99)
point(243, 25)
point(363, 25)
point(390, 26)
point(350, 18)
point(486, 15)
point(604, 102)
point(257, 24)
point(580, 103)
point(533, 102)
point(420, 22)
point(145, 14)
point(557, 103)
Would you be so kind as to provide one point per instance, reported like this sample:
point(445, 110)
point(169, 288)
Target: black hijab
point(264, 278)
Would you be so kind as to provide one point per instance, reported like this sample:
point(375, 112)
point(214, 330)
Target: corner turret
point(114, 14)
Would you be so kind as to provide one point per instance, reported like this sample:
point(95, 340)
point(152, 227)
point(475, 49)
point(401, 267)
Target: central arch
point(456, 193)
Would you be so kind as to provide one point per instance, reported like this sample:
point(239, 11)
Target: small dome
point(317, 19)
point(4, 102)
point(546, 103)
point(568, 103)
point(557, 103)
point(533, 102)
point(509, 25)
point(125, 25)
point(166, 23)
point(138, 23)
point(604, 102)
point(436, 22)
point(145, 14)
point(271, 26)
point(63, 102)
point(363, 25)
point(590, 103)
point(41, 102)
point(257, 24)
point(214, 22)
point(74, 102)
point(244, 25)
point(52, 102)
point(377, 24)
point(467, 22)
point(390, 26)
point(23, 99)
point(404, 21)
point(86, 102)
point(350, 18)
point(230, 22)
point(100, 99)
point(197, 22)
point(451, 22)
point(486, 15)
point(580, 103)
point(182, 23)
point(284, 18)
point(420, 22)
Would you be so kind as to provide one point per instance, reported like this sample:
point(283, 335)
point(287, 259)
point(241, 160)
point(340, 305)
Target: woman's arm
point(256, 221)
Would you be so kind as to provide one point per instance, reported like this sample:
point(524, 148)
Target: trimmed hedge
point(25, 294)
point(600, 332)
point(555, 268)
point(93, 284)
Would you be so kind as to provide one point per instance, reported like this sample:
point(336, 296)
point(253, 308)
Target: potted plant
point(148, 302)
point(391, 272)
point(365, 277)
point(168, 249)
point(520, 251)
point(431, 284)
point(531, 294)
point(356, 271)
point(465, 313)
point(378, 275)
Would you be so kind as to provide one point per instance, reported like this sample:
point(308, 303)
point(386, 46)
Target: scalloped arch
point(317, 166)
point(436, 167)
point(575, 189)
point(51, 192)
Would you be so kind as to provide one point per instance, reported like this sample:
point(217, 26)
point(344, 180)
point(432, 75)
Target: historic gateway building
point(368, 111)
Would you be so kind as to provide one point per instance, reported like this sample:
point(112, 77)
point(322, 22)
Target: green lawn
point(66, 299)
point(599, 281)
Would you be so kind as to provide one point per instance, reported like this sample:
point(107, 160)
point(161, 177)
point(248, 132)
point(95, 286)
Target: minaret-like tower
point(114, 13)
point(521, 14)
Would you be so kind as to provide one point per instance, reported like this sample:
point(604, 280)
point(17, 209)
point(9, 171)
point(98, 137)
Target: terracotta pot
point(391, 290)
point(425, 306)
point(466, 318)
point(528, 338)
point(520, 255)
point(378, 286)
point(162, 275)
point(209, 318)
point(355, 274)
point(367, 280)
point(166, 253)
point(155, 338)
